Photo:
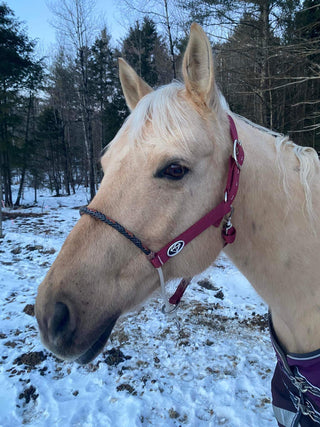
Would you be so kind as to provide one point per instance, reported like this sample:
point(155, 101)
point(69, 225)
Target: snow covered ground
point(216, 370)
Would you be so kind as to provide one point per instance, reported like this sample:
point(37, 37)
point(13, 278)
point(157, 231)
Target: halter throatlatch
point(223, 211)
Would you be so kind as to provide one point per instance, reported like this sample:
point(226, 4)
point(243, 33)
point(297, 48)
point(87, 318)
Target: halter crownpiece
point(223, 211)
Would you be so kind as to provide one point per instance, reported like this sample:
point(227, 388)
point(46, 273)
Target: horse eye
point(173, 171)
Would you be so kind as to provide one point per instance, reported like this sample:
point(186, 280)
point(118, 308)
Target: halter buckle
point(228, 224)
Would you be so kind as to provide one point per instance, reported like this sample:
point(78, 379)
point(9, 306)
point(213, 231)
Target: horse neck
point(276, 245)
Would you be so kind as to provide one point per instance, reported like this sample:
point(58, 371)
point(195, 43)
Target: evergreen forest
point(58, 113)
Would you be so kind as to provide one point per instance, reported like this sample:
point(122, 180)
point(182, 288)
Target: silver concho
point(175, 248)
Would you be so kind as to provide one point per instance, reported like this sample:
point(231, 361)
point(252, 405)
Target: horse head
point(166, 168)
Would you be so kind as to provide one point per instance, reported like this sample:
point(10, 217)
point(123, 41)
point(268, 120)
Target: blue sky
point(36, 16)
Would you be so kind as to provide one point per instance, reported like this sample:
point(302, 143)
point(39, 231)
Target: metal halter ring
point(235, 153)
point(171, 310)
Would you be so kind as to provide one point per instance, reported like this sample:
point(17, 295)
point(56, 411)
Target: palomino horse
point(167, 168)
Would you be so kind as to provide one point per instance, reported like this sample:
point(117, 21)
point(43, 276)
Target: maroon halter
point(214, 217)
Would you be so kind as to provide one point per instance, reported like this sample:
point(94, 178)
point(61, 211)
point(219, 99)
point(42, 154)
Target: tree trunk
point(5, 155)
point(1, 231)
point(7, 180)
point(87, 133)
point(22, 179)
point(173, 60)
point(66, 162)
point(35, 186)
point(24, 159)
point(69, 160)
point(87, 123)
point(264, 16)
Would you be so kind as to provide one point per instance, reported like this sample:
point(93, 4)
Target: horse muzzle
point(64, 336)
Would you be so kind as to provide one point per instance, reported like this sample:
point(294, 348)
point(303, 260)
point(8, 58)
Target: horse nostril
point(60, 322)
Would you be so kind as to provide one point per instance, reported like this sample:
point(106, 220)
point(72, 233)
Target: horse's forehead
point(116, 153)
point(157, 128)
point(125, 151)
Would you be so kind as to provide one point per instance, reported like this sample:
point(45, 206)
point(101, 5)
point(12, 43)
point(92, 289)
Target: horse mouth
point(98, 345)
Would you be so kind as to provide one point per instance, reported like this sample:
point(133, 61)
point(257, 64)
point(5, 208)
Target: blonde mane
point(308, 166)
point(308, 163)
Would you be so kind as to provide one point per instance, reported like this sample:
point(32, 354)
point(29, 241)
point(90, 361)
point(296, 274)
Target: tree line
point(56, 119)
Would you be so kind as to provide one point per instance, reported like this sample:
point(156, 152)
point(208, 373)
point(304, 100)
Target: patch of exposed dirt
point(29, 394)
point(210, 320)
point(11, 344)
point(40, 249)
point(115, 356)
point(32, 248)
point(11, 297)
point(202, 316)
point(205, 283)
point(6, 262)
point(201, 309)
point(128, 388)
point(31, 359)
point(173, 414)
point(219, 295)
point(29, 309)
point(13, 215)
point(16, 250)
point(256, 321)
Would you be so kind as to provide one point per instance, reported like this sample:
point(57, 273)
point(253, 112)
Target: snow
point(215, 370)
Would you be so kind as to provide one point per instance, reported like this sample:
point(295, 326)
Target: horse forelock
point(165, 116)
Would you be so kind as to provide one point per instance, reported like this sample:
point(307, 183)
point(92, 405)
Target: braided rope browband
point(175, 246)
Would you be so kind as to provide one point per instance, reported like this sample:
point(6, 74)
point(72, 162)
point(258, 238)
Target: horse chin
point(98, 345)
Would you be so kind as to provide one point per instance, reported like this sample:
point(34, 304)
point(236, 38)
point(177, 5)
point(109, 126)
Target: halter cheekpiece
point(214, 217)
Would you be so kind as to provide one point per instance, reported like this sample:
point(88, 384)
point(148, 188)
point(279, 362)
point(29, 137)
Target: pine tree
point(303, 40)
point(103, 81)
point(146, 53)
point(16, 67)
point(50, 132)
point(74, 20)
point(62, 91)
point(29, 104)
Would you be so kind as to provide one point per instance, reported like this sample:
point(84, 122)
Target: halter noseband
point(214, 217)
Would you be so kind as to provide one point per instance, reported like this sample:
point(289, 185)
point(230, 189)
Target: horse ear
point(134, 88)
point(198, 70)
